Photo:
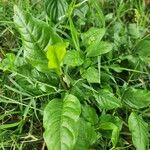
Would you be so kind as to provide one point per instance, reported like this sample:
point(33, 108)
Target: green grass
point(105, 72)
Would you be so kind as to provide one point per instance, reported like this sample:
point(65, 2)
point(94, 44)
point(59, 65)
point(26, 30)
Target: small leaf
point(139, 131)
point(92, 35)
point(108, 122)
point(86, 137)
point(98, 48)
point(56, 9)
point(73, 58)
point(136, 98)
point(61, 123)
point(55, 55)
point(91, 74)
point(107, 100)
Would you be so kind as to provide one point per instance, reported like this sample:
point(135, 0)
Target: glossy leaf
point(137, 98)
point(56, 9)
point(36, 36)
point(139, 131)
point(61, 123)
point(73, 58)
point(55, 55)
point(87, 136)
point(98, 48)
point(107, 100)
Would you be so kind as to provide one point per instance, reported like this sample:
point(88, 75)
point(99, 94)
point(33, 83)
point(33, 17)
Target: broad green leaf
point(92, 35)
point(89, 114)
point(136, 98)
point(36, 35)
point(56, 9)
point(86, 137)
point(73, 58)
point(107, 100)
point(142, 48)
point(98, 48)
point(55, 55)
point(91, 74)
point(139, 131)
point(61, 123)
point(113, 123)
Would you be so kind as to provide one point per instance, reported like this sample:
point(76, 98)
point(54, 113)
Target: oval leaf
point(61, 123)
point(139, 131)
point(55, 55)
point(92, 35)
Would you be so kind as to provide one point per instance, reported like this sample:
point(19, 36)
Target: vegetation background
point(74, 74)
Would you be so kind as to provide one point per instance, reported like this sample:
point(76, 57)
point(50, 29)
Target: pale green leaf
point(56, 9)
point(107, 100)
point(55, 55)
point(61, 123)
point(139, 131)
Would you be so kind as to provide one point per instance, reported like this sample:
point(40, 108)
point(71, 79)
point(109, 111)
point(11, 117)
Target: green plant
point(82, 73)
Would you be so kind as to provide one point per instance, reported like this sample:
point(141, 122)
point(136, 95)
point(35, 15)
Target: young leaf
point(98, 48)
point(36, 36)
point(107, 100)
point(56, 9)
point(61, 123)
point(139, 131)
point(91, 74)
point(55, 55)
point(108, 122)
point(86, 137)
point(137, 98)
point(73, 58)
